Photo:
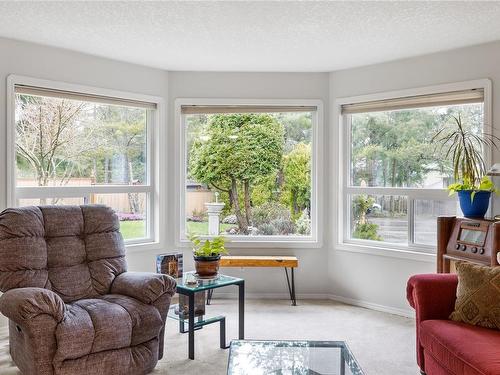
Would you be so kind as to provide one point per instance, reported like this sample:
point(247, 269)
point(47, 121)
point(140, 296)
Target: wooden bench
point(263, 261)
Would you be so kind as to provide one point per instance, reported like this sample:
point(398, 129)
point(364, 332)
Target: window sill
point(409, 254)
point(143, 246)
point(264, 243)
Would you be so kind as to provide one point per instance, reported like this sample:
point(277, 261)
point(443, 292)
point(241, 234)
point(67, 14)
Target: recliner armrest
point(144, 286)
point(432, 295)
point(23, 304)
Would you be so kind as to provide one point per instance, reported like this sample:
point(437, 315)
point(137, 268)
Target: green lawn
point(133, 229)
point(202, 228)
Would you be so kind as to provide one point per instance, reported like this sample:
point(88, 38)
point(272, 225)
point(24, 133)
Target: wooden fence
point(195, 199)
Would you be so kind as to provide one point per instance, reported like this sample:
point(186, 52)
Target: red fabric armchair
point(445, 347)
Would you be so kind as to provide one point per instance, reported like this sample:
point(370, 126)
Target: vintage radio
point(471, 240)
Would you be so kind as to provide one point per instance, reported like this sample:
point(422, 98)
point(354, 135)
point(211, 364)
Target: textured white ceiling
point(252, 35)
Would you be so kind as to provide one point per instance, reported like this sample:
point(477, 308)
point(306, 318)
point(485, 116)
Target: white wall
point(378, 279)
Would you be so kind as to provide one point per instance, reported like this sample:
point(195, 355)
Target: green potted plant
point(465, 148)
point(207, 254)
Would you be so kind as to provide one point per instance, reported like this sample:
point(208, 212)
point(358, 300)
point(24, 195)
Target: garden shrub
point(230, 219)
point(303, 224)
point(363, 229)
point(283, 225)
point(273, 214)
point(266, 229)
point(366, 231)
point(198, 216)
point(269, 211)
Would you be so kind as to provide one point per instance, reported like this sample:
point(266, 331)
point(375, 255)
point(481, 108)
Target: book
point(170, 264)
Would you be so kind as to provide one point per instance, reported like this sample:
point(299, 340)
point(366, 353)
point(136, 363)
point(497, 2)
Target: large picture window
point(248, 171)
point(77, 148)
point(394, 175)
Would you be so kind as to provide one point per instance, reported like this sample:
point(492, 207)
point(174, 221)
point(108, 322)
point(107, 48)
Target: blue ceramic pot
point(474, 208)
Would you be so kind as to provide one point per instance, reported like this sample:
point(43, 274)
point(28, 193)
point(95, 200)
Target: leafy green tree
point(298, 128)
point(267, 189)
point(394, 148)
point(297, 178)
point(121, 134)
point(236, 151)
point(125, 130)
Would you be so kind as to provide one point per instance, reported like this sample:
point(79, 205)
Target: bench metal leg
point(291, 287)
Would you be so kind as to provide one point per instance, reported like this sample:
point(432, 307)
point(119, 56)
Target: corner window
point(78, 148)
point(248, 172)
point(394, 176)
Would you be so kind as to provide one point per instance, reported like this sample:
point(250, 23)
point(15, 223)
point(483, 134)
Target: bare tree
point(51, 137)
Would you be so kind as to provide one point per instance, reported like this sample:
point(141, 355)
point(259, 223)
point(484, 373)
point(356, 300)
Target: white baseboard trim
point(280, 296)
point(408, 313)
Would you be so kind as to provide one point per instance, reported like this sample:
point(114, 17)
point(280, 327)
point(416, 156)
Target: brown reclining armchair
point(72, 307)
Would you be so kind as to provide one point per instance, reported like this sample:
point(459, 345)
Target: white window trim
point(342, 241)
point(155, 176)
point(313, 241)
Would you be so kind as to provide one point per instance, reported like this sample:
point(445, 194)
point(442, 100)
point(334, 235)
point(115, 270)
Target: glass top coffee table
point(254, 357)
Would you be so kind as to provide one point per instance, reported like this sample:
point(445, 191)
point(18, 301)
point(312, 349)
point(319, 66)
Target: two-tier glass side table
point(195, 323)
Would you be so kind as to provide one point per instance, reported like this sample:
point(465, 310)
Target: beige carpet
point(382, 343)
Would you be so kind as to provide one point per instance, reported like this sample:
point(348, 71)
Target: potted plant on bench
point(207, 254)
point(465, 148)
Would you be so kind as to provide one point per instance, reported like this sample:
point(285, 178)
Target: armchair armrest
point(24, 304)
point(432, 295)
point(143, 286)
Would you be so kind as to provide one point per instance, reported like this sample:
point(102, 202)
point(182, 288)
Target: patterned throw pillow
point(478, 295)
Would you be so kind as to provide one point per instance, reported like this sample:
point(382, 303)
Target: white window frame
point(154, 153)
point(411, 251)
point(312, 241)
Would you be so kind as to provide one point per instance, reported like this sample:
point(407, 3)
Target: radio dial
point(457, 246)
point(464, 247)
point(481, 250)
point(474, 250)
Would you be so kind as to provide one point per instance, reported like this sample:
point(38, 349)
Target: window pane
point(258, 165)
point(394, 148)
point(62, 142)
point(379, 218)
point(131, 209)
point(56, 201)
point(426, 213)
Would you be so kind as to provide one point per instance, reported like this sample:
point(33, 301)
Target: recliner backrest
point(75, 251)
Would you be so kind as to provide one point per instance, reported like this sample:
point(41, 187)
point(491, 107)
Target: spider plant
point(465, 148)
